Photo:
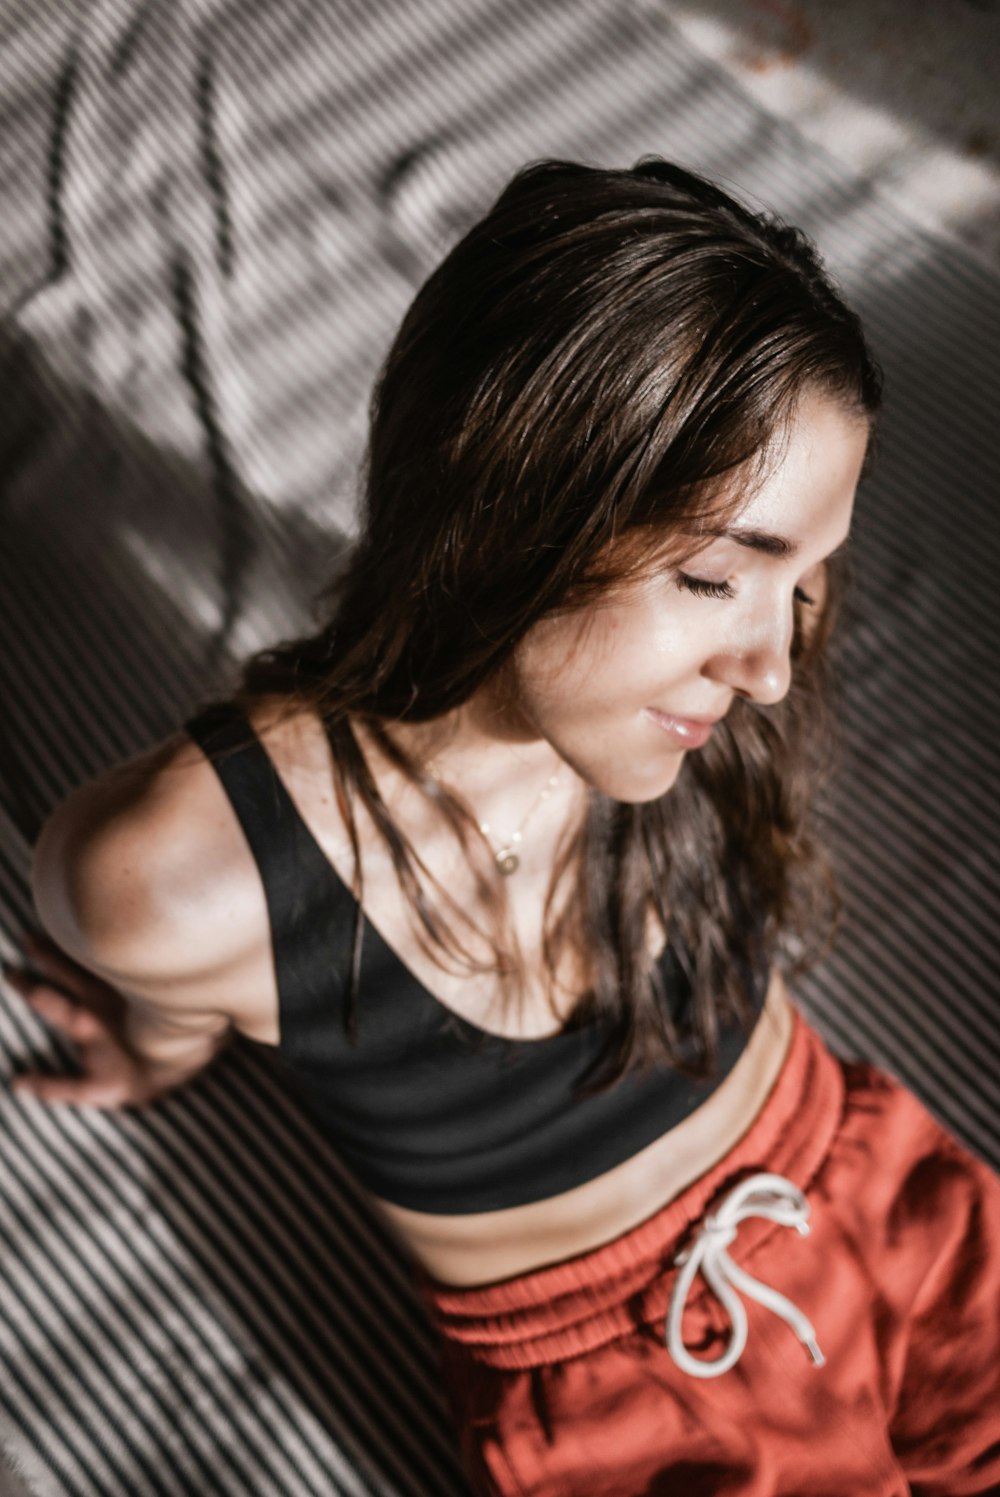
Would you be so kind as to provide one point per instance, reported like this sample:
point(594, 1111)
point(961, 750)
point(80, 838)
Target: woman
point(512, 857)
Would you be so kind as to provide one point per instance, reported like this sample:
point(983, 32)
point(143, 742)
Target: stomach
point(482, 1248)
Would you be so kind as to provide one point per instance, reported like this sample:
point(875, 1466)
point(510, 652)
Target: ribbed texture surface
point(212, 219)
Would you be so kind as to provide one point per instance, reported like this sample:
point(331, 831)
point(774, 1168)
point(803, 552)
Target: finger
point(49, 958)
point(77, 982)
point(17, 979)
point(70, 1018)
point(72, 1091)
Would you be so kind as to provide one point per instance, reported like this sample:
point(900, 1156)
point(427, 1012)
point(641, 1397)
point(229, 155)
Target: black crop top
point(428, 1110)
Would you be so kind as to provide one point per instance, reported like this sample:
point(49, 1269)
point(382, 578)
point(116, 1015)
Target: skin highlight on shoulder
point(143, 875)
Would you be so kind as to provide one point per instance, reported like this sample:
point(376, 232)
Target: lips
point(686, 732)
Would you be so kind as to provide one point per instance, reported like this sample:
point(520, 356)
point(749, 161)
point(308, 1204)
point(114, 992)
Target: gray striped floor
point(212, 219)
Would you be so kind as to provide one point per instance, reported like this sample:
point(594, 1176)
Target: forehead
point(807, 484)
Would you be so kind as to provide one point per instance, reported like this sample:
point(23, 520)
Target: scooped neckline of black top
point(227, 716)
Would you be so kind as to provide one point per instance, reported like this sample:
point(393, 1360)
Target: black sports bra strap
point(265, 810)
point(310, 910)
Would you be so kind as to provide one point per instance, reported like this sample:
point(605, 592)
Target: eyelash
point(705, 589)
point(702, 588)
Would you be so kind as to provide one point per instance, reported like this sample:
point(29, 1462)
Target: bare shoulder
point(144, 875)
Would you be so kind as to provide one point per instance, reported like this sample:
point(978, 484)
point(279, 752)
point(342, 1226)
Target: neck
point(490, 755)
point(488, 736)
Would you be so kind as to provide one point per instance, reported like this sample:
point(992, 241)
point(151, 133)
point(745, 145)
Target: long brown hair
point(586, 369)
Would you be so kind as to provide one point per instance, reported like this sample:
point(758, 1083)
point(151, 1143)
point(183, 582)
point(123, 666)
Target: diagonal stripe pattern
point(213, 219)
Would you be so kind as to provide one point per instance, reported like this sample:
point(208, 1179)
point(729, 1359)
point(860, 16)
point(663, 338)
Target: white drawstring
point(766, 1195)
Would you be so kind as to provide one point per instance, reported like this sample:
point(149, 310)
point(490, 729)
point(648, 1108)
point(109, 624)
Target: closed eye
point(705, 589)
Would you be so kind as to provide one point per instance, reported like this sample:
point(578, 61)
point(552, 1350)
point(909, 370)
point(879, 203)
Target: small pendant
point(507, 861)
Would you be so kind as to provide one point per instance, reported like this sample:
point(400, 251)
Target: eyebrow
point(768, 542)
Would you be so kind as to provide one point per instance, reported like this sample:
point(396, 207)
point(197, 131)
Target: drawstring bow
point(766, 1195)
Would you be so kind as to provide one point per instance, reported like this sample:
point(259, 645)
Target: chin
point(634, 785)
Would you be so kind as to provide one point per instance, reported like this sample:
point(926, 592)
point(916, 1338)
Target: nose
point(758, 667)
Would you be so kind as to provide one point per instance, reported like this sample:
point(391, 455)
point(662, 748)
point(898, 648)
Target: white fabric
point(765, 1195)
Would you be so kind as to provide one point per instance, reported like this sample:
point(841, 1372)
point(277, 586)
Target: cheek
point(612, 661)
point(583, 661)
point(584, 686)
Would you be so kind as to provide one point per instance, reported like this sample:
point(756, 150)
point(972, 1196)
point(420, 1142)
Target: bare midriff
point(484, 1247)
point(492, 1245)
point(487, 1246)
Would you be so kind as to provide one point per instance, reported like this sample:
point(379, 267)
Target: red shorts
point(563, 1386)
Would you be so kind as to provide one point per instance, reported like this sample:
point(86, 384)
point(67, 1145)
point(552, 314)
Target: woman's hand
point(93, 1015)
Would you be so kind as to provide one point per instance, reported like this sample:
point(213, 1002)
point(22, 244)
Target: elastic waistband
point(586, 1301)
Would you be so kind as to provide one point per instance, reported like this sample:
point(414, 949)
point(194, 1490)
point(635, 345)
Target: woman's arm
point(130, 1052)
point(140, 883)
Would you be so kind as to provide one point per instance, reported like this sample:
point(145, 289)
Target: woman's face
point(610, 687)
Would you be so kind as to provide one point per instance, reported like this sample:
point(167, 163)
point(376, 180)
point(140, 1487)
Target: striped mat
point(212, 219)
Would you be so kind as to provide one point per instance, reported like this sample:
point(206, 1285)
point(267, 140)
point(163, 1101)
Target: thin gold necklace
point(506, 856)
